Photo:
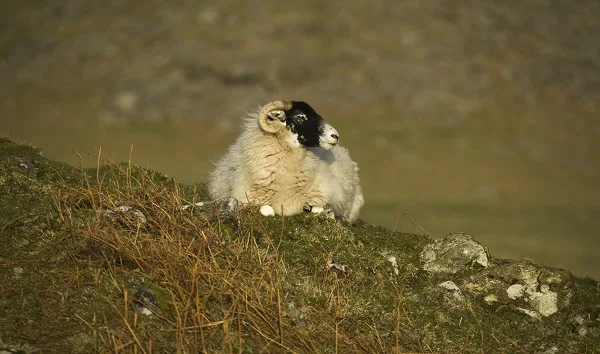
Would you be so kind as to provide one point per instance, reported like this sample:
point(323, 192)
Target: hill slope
point(121, 258)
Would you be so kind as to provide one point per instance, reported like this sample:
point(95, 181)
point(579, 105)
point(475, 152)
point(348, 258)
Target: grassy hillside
point(124, 259)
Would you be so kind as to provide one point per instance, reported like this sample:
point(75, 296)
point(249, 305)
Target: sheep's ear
point(272, 122)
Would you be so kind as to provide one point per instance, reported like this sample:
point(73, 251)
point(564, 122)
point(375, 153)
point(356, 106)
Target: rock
point(490, 299)
point(14, 350)
point(145, 301)
point(296, 314)
point(551, 350)
point(126, 211)
point(528, 288)
point(456, 293)
point(394, 262)
point(339, 268)
point(224, 209)
point(579, 325)
point(17, 271)
point(28, 166)
point(187, 206)
point(454, 253)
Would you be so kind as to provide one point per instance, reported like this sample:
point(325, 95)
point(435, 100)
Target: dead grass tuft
point(200, 278)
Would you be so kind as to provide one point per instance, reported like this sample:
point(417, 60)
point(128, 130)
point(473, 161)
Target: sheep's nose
point(335, 136)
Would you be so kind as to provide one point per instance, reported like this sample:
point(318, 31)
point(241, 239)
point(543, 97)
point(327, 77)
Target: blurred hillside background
point(475, 116)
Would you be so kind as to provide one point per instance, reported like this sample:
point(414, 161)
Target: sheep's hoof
point(312, 209)
point(327, 212)
point(317, 210)
point(267, 210)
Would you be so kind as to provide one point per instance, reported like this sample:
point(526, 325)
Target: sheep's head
point(303, 124)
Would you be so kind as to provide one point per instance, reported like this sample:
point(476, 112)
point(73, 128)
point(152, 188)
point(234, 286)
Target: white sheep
point(287, 160)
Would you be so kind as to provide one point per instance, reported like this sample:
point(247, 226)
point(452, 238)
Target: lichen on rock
point(527, 287)
point(454, 253)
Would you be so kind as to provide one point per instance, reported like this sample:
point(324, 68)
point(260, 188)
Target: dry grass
point(214, 279)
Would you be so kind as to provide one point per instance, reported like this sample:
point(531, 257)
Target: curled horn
point(269, 120)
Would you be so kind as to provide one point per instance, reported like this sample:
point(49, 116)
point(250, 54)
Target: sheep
point(287, 159)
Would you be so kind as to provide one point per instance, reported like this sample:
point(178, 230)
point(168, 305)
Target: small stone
point(144, 300)
point(232, 205)
point(578, 319)
point(394, 262)
point(141, 218)
point(530, 313)
point(296, 315)
point(544, 302)
point(490, 299)
point(187, 206)
point(449, 285)
point(456, 292)
point(339, 269)
point(18, 271)
point(515, 291)
point(145, 311)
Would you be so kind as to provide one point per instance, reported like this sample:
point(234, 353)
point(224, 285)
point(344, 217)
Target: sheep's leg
point(315, 203)
point(319, 210)
point(265, 209)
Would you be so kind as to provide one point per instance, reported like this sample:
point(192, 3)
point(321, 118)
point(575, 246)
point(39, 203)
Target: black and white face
point(308, 128)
